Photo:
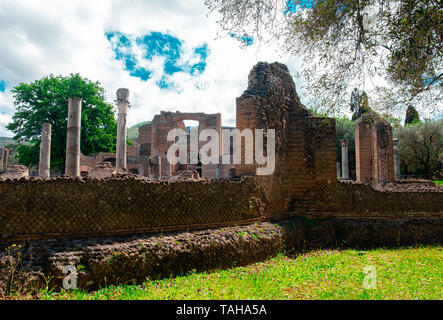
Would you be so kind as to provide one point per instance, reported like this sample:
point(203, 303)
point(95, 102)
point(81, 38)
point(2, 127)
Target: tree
point(359, 104)
point(420, 147)
point(345, 42)
point(46, 100)
point(411, 116)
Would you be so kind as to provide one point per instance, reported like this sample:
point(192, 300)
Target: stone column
point(3, 159)
point(123, 104)
point(338, 170)
point(397, 173)
point(72, 167)
point(45, 152)
point(345, 159)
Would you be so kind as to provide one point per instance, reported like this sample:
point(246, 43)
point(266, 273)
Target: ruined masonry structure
point(304, 182)
point(397, 172)
point(148, 156)
point(305, 144)
point(15, 172)
point(11, 171)
point(345, 159)
point(374, 150)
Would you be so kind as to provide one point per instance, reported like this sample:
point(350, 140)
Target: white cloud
point(41, 37)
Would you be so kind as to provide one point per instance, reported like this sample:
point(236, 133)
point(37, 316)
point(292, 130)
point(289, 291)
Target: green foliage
point(359, 104)
point(133, 131)
point(420, 146)
point(349, 42)
point(411, 116)
point(28, 154)
point(46, 100)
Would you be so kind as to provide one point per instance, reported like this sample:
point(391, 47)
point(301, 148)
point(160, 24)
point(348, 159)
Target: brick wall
point(363, 152)
point(304, 181)
point(374, 150)
point(65, 207)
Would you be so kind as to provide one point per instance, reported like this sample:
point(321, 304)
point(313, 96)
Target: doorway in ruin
point(192, 126)
point(113, 161)
point(133, 171)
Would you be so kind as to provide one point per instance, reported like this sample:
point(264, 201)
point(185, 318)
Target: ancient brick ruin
point(304, 182)
point(11, 171)
point(374, 149)
point(150, 149)
point(116, 225)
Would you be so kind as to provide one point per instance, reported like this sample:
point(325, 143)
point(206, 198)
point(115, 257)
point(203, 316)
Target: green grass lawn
point(407, 273)
point(440, 182)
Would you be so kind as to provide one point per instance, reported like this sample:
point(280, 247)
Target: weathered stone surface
point(345, 159)
point(123, 104)
point(15, 172)
point(4, 155)
point(45, 152)
point(374, 150)
point(103, 170)
point(113, 261)
point(397, 172)
point(72, 167)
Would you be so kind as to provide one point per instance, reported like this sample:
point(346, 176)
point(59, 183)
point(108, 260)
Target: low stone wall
point(66, 207)
point(113, 261)
point(350, 199)
point(359, 199)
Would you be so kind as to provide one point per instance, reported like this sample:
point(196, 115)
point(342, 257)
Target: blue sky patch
point(294, 5)
point(247, 40)
point(157, 44)
point(2, 86)
point(430, 81)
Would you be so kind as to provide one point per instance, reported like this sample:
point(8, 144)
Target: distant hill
point(4, 141)
point(133, 131)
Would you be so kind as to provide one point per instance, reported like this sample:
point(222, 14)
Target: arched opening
point(84, 174)
point(133, 171)
point(193, 127)
point(111, 160)
point(145, 149)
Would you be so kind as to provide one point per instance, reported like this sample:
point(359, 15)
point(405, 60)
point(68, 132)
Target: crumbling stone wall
point(374, 149)
point(305, 145)
point(144, 139)
point(163, 123)
point(304, 181)
point(66, 207)
point(361, 200)
point(115, 261)
point(15, 172)
point(85, 207)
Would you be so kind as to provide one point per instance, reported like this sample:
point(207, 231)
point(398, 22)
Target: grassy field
point(407, 273)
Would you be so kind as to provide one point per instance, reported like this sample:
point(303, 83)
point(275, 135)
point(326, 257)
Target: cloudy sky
point(170, 54)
